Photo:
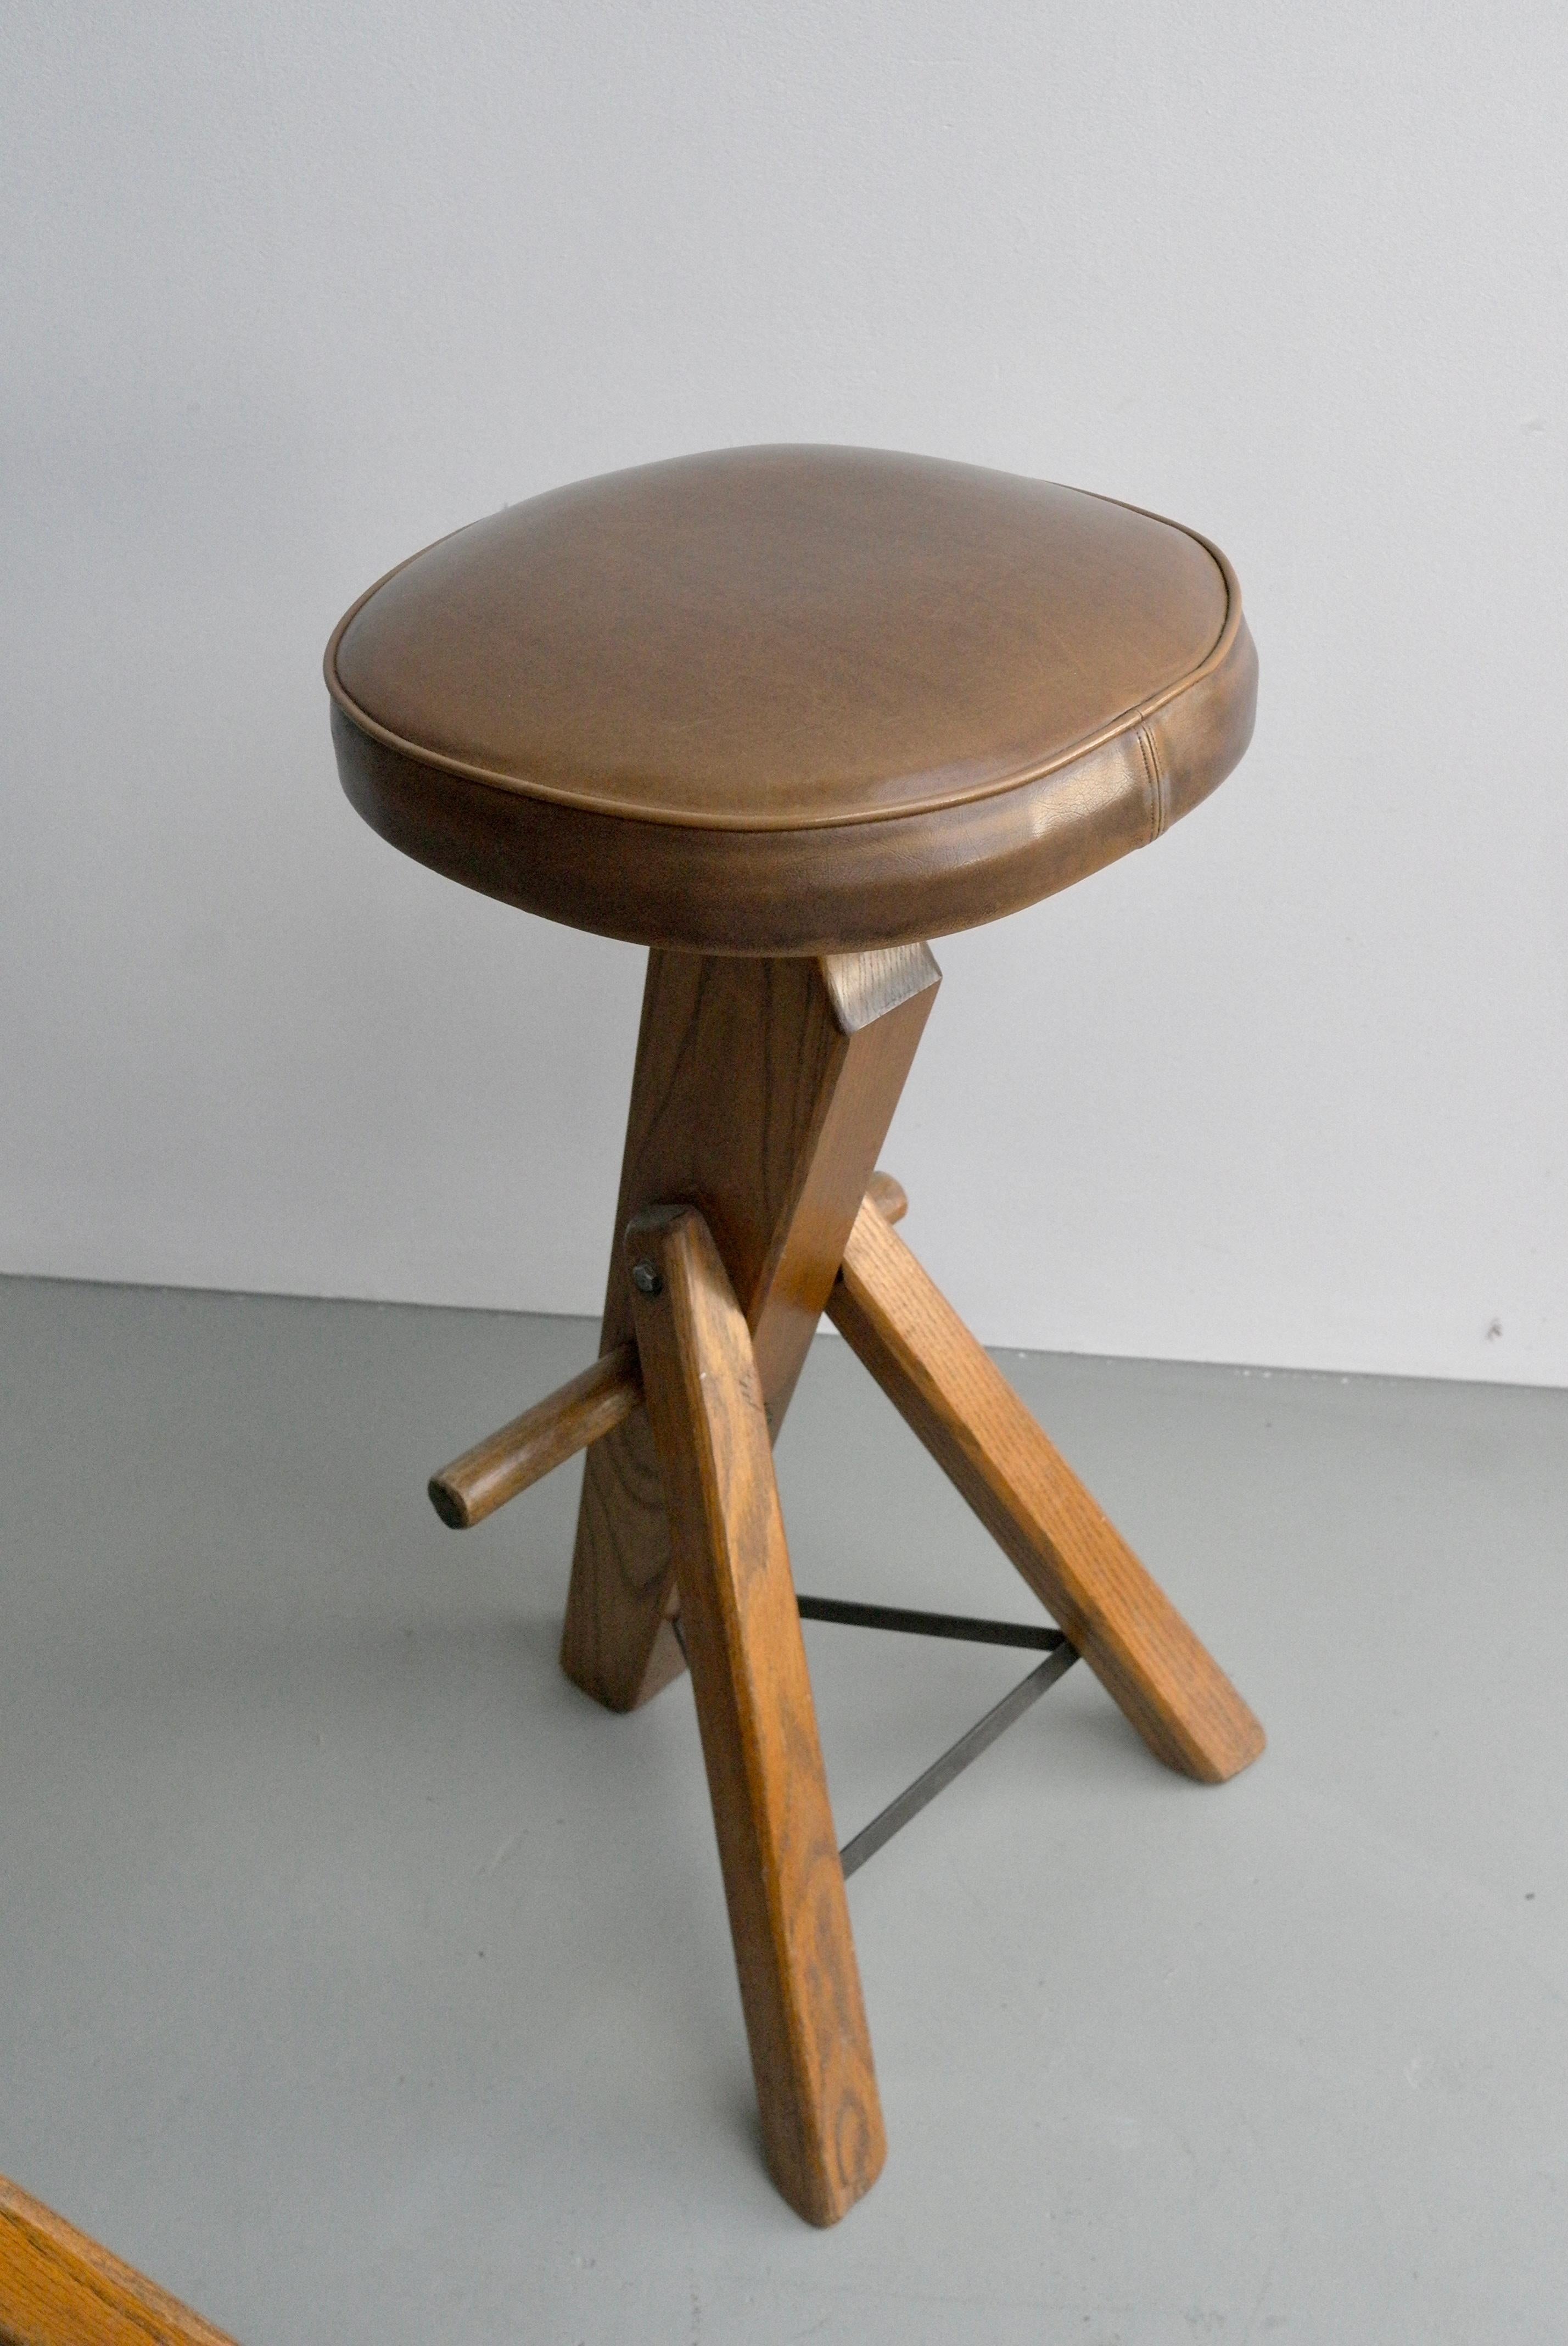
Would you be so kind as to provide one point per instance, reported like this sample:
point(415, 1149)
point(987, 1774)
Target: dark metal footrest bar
point(1060, 1658)
point(980, 1737)
point(930, 1624)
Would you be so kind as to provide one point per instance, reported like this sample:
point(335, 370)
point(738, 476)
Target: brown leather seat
point(787, 700)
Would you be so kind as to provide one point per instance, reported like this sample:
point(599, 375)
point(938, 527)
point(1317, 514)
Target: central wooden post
point(762, 1094)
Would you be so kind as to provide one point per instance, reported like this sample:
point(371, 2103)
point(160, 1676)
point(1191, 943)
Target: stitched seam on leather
point(1213, 662)
point(1159, 811)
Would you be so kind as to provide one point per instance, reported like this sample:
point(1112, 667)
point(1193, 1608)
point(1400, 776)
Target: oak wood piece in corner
point(969, 1417)
point(763, 1091)
point(799, 1985)
point(58, 2288)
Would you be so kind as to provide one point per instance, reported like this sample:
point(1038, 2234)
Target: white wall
point(289, 289)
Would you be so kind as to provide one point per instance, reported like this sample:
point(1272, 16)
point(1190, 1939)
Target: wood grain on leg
point(763, 1091)
point(969, 1417)
point(799, 1985)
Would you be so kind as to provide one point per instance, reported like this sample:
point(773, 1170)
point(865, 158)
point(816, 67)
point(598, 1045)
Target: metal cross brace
point(1059, 1659)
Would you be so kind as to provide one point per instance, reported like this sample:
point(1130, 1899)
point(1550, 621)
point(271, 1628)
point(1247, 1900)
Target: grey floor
point(360, 1980)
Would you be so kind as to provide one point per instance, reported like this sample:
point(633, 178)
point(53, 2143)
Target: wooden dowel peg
point(544, 1436)
point(888, 1196)
point(569, 1419)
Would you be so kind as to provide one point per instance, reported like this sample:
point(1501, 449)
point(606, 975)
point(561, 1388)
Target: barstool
point(783, 714)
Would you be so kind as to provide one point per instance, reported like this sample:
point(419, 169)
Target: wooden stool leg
point(762, 1094)
point(800, 1987)
point(969, 1417)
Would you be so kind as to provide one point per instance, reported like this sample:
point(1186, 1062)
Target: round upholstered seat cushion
point(791, 700)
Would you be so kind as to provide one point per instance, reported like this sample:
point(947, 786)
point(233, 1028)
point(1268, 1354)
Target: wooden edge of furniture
point(58, 2288)
point(783, 1880)
point(955, 1398)
point(566, 1421)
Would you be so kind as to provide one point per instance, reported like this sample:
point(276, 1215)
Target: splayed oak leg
point(951, 1392)
point(799, 1984)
